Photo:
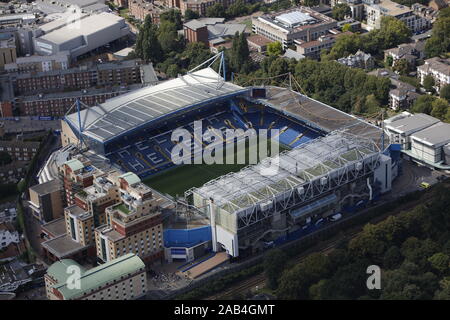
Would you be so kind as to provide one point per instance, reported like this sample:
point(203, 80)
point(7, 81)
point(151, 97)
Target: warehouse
point(82, 36)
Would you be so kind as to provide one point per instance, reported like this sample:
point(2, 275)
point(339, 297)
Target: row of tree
point(412, 249)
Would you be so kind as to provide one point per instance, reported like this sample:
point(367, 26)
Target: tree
point(168, 36)
point(5, 158)
point(347, 27)
point(392, 258)
point(190, 15)
point(439, 42)
point(216, 10)
point(428, 83)
point(340, 11)
point(440, 262)
point(401, 66)
point(274, 49)
point(237, 9)
point(148, 47)
point(274, 264)
point(444, 93)
point(439, 108)
point(423, 104)
point(174, 16)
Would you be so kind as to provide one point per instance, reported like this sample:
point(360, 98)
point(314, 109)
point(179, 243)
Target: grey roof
point(63, 246)
point(412, 124)
point(126, 112)
point(225, 29)
point(293, 54)
point(87, 26)
point(47, 187)
point(435, 136)
point(201, 22)
point(56, 227)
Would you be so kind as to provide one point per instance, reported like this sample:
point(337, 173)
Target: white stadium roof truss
point(314, 168)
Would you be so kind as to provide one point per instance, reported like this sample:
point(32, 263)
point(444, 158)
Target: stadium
point(331, 163)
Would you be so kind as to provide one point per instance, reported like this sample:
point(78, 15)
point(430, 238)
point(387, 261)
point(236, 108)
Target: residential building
point(139, 9)
point(375, 9)
point(411, 52)
point(77, 174)
point(36, 63)
point(57, 104)
point(84, 77)
point(120, 279)
point(199, 6)
point(13, 172)
point(20, 150)
point(358, 60)
point(438, 68)
point(47, 200)
point(134, 225)
point(301, 23)
point(402, 98)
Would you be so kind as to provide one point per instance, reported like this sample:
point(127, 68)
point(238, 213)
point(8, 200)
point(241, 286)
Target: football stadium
point(330, 163)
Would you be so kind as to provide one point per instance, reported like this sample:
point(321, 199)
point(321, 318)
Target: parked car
point(335, 217)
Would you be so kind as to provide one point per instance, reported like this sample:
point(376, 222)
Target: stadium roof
point(254, 184)
point(129, 111)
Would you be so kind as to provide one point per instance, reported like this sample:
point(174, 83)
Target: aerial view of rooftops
point(241, 152)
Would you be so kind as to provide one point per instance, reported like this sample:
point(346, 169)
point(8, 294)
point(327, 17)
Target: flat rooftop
point(47, 187)
point(412, 123)
point(120, 114)
point(56, 227)
point(63, 246)
point(434, 136)
point(85, 27)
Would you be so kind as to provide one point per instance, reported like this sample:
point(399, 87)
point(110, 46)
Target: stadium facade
point(335, 162)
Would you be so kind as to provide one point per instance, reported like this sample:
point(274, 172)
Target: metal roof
point(255, 184)
point(128, 111)
point(435, 136)
point(295, 17)
point(412, 124)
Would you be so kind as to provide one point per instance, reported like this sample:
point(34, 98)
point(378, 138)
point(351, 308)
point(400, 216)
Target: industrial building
point(83, 35)
point(424, 139)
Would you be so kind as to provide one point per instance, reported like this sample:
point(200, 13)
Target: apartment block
point(313, 49)
point(104, 74)
point(77, 174)
point(438, 68)
point(301, 23)
point(141, 8)
point(47, 200)
point(134, 225)
point(8, 52)
point(120, 279)
point(20, 150)
point(36, 63)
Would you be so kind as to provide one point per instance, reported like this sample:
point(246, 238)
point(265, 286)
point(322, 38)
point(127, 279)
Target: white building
point(438, 68)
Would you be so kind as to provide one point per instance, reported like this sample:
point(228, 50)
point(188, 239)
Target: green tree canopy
point(340, 11)
point(274, 49)
point(190, 14)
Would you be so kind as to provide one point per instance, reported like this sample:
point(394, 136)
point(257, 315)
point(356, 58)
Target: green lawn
point(181, 178)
